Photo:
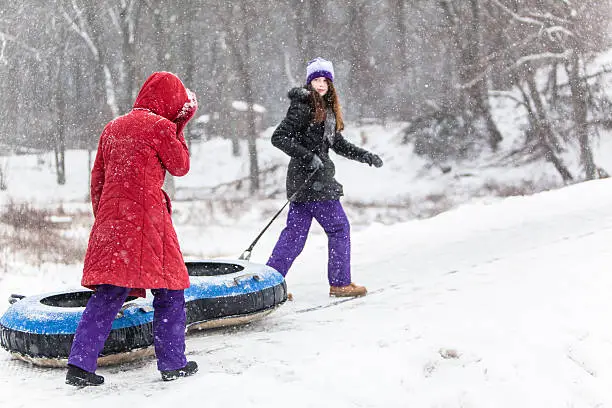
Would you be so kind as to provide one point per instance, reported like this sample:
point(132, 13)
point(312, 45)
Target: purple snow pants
point(332, 218)
point(168, 327)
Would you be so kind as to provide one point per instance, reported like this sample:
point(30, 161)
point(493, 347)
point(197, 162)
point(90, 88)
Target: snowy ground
point(501, 304)
point(496, 303)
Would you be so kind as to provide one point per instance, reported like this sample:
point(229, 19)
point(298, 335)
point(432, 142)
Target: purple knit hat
point(319, 67)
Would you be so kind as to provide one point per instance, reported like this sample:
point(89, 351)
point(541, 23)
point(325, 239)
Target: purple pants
point(168, 327)
point(332, 218)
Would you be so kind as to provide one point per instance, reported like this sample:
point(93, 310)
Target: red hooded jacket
point(133, 243)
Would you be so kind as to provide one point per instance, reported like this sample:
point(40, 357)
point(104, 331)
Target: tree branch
point(80, 29)
point(550, 16)
point(522, 60)
point(517, 17)
point(550, 30)
point(5, 38)
point(506, 94)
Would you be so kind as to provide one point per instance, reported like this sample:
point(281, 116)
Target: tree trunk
point(310, 30)
point(243, 68)
point(317, 41)
point(187, 57)
point(398, 9)
point(468, 41)
point(301, 31)
point(547, 140)
point(89, 168)
point(59, 147)
point(60, 157)
point(103, 75)
point(478, 92)
point(3, 185)
point(360, 73)
point(578, 88)
point(159, 34)
point(129, 17)
point(85, 24)
point(241, 51)
point(60, 144)
point(92, 135)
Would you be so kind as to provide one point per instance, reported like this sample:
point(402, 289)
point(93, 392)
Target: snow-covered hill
point(501, 304)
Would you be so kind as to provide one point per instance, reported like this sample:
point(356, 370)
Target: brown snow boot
point(349, 290)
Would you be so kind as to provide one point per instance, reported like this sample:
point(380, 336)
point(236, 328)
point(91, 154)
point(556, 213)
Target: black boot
point(190, 369)
point(80, 378)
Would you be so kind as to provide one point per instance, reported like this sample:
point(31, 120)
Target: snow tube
point(40, 328)
point(233, 292)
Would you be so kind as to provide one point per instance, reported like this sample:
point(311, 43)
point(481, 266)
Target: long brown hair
point(321, 103)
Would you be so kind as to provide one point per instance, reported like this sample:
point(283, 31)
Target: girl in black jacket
point(312, 126)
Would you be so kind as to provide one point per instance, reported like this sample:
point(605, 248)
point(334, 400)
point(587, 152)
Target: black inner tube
point(74, 299)
point(212, 268)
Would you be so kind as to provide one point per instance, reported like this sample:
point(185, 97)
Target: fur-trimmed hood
point(299, 94)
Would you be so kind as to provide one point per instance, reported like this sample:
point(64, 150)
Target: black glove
point(372, 159)
point(316, 163)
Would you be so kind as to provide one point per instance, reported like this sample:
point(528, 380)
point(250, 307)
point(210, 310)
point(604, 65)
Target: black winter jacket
point(301, 139)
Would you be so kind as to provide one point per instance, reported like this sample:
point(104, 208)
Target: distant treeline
point(68, 66)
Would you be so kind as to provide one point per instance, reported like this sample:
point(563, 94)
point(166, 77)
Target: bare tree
point(434, 64)
point(16, 50)
point(238, 19)
point(59, 147)
point(125, 15)
point(465, 24)
point(83, 20)
point(551, 35)
point(547, 142)
point(579, 43)
point(3, 174)
point(361, 77)
point(159, 34)
point(398, 12)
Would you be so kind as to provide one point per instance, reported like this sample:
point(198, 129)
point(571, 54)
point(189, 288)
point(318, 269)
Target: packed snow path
point(505, 304)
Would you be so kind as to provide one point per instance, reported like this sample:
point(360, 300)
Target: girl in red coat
point(133, 245)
